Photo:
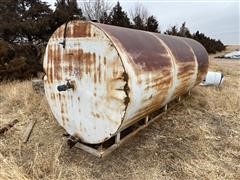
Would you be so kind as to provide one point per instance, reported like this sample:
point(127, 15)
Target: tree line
point(26, 25)
point(211, 45)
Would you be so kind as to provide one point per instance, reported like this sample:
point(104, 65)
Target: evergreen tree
point(25, 26)
point(35, 21)
point(118, 17)
point(9, 20)
point(184, 31)
point(65, 11)
point(211, 45)
point(172, 31)
point(138, 23)
point(105, 19)
point(152, 24)
point(25, 21)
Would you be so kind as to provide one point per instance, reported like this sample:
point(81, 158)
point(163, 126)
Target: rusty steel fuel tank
point(100, 78)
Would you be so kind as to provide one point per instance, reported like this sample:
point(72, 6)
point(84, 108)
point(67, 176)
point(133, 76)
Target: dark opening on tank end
point(65, 87)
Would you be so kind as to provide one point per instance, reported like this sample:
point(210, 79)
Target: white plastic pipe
point(213, 78)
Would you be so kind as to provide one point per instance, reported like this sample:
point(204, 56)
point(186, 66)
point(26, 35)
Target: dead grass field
point(199, 139)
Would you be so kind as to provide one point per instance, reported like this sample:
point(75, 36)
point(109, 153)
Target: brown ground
point(200, 138)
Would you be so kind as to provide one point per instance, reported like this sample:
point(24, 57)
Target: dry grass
point(199, 139)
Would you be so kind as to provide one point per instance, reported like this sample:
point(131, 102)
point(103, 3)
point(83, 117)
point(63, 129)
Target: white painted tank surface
point(101, 78)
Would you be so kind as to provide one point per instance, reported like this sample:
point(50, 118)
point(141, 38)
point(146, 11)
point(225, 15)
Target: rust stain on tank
point(63, 120)
point(54, 67)
point(185, 67)
point(79, 29)
point(135, 43)
point(159, 84)
point(58, 33)
point(49, 67)
point(97, 115)
point(99, 72)
point(76, 59)
point(62, 108)
point(105, 61)
point(179, 49)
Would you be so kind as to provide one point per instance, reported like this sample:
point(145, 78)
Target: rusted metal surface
point(119, 75)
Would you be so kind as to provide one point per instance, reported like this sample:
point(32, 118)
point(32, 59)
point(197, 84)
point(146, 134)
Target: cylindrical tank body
point(118, 75)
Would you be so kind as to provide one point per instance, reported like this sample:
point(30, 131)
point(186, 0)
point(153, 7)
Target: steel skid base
point(105, 148)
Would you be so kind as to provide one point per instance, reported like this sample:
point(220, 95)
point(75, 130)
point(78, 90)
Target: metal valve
point(65, 87)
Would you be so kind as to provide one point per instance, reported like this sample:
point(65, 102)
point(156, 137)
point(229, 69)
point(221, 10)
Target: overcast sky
point(216, 18)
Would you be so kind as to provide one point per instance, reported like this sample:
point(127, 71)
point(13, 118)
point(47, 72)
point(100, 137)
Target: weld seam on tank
point(174, 70)
point(196, 64)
